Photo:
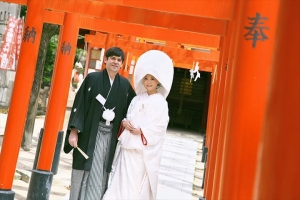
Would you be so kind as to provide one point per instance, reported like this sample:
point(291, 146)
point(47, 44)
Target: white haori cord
point(108, 115)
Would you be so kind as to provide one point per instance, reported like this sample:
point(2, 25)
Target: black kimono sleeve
point(76, 119)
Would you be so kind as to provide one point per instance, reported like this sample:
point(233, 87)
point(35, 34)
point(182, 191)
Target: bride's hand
point(136, 131)
point(128, 126)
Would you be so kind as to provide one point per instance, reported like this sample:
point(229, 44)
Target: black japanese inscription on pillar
point(66, 48)
point(256, 29)
point(29, 34)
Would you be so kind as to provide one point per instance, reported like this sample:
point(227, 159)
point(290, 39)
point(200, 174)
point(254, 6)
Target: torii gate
point(241, 129)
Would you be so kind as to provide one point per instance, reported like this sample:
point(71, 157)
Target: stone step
point(25, 175)
point(17, 176)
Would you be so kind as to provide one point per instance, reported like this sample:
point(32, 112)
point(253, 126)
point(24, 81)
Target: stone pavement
point(180, 175)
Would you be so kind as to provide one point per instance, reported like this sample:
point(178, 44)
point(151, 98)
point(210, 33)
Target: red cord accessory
point(121, 129)
point(144, 140)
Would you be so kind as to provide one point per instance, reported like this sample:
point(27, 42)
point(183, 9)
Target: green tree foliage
point(49, 62)
point(23, 11)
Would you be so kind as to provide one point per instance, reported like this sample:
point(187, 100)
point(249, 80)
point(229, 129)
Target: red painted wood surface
point(246, 122)
point(278, 171)
point(221, 9)
point(21, 94)
point(248, 100)
point(135, 15)
point(59, 91)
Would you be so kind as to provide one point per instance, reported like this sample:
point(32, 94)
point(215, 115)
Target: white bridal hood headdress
point(159, 65)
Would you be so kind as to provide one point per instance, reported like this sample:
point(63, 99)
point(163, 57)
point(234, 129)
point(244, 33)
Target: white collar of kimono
point(111, 81)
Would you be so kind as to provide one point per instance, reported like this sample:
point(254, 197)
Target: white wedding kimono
point(136, 165)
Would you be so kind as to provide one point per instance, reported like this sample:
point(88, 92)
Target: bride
point(138, 154)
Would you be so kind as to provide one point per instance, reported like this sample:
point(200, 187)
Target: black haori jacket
point(87, 112)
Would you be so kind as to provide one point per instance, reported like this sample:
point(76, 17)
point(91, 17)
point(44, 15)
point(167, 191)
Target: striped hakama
point(87, 185)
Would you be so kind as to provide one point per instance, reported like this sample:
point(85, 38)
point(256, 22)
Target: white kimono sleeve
point(157, 121)
point(128, 140)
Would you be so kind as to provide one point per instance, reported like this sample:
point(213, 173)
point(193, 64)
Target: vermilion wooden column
point(126, 65)
point(210, 115)
point(63, 111)
point(278, 174)
point(110, 42)
point(215, 145)
point(121, 70)
point(222, 126)
point(59, 90)
point(230, 44)
point(211, 107)
point(21, 92)
point(248, 97)
point(211, 120)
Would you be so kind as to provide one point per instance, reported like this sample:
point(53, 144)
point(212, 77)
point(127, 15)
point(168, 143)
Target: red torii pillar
point(110, 41)
point(253, 59)
point(41, 178)
point(229, 48)
point(216, 141)
point(278, 175)
point(124, 71)
point(210, 114)
point(212, 137)
point(20, 96)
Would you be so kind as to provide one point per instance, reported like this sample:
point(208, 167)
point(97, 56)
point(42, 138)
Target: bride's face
point(150, 83)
